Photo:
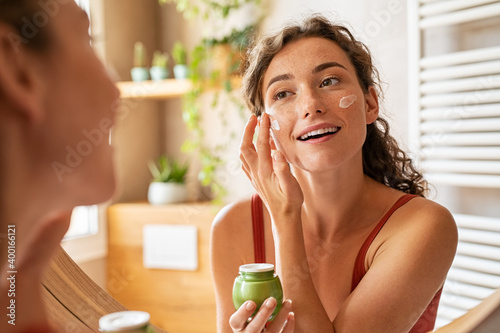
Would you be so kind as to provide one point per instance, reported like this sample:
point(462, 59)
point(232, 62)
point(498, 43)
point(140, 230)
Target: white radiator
point(455, 98)
point(454, 101)
point(475, 273)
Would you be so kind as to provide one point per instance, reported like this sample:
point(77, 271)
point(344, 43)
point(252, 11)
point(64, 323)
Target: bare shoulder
point(424, 231)
point(429, 214)
point(424, 222)
point(232, 230)
point(230, 218)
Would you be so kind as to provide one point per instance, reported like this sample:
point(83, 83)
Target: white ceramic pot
point(165, 193)
point(181, 71)
point(139, 74)
point(158, 73)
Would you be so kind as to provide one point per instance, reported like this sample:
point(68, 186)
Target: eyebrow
point(326, 65)
point(315, 70)
point(281, 77)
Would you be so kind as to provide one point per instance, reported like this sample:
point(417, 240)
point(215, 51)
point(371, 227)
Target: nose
point(310, 104)
point(307, 114)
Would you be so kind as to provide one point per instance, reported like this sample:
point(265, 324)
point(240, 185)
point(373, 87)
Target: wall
point(137, 132)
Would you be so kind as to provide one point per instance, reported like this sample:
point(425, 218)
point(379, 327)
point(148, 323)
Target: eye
point(329, 82)
point(281, 95)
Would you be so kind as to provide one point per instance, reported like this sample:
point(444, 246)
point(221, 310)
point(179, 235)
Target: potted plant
point(159, 70)
point(139, 72)
point(169, 181)
point(180, 58)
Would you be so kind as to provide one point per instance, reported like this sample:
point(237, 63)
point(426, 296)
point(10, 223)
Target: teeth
point(318, 132)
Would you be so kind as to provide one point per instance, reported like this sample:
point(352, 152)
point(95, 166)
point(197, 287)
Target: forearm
point(292, 266)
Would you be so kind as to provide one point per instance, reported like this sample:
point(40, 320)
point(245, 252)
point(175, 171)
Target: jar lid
point(123, 321)
point(256, 268)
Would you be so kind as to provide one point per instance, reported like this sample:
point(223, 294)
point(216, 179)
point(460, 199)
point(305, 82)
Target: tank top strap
point(259, 245)
point(359, 265)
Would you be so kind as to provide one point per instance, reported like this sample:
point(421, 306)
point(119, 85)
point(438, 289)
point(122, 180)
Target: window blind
point(454, 100)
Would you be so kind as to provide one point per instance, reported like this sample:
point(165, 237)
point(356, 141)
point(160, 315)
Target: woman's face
point(78, 102)
point(318, 110)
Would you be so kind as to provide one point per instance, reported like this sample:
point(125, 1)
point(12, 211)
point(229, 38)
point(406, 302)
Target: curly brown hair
point(383, 159)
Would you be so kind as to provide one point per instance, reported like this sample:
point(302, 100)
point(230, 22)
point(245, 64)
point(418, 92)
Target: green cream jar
point(257, 282)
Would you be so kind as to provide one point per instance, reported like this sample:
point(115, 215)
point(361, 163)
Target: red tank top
point(426, 321)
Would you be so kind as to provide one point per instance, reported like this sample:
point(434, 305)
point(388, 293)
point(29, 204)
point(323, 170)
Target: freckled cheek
point(281, 127)
point(278, 139)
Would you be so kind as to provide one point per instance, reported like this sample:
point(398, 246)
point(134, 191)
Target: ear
point(20, 83)
point(371, 101)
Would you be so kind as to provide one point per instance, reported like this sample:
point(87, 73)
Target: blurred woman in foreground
point(56, 110)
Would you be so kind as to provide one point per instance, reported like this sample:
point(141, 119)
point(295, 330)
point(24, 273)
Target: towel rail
point(461, 112)
point(462, 16)
point(461, 125)
point(466, 167)
point(462, 153)
point(485, 82)
point(461, 71)
point(465, 180)
point(462, 57)
point(439, 138)
point(449, 6)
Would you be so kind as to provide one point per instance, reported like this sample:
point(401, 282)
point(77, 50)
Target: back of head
point(20, 15)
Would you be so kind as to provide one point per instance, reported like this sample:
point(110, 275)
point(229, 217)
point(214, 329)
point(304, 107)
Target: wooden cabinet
point(178, 301)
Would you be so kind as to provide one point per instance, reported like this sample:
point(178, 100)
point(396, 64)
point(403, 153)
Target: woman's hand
point(270, 175)
point(284, 322)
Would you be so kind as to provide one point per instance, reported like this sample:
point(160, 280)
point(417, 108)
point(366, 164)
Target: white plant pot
point(158, 73)
point(181, 71)
point(165, 193)
point(139, 74)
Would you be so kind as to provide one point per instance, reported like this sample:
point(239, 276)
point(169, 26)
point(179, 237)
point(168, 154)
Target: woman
point(357, 246)
point(56, 109)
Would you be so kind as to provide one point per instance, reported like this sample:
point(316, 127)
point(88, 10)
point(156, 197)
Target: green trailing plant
point(160, 59)
point(179, 54)
point(238, 40)
point(207, 8)
point(168, 170)
point(139, 55)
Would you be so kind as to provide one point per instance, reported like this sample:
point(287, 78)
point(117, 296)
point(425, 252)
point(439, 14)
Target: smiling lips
point(319, 133)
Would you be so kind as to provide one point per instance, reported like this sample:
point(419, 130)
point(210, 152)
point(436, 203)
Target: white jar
point(126, 321)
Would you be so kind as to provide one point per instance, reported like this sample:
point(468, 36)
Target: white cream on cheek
point(275, 125)
point(347, 101)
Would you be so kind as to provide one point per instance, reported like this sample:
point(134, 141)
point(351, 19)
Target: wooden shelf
point(169, 88)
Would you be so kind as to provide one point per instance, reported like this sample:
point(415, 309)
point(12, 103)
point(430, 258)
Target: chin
point(97, 193)
point(95, 186)
point(104, 187)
